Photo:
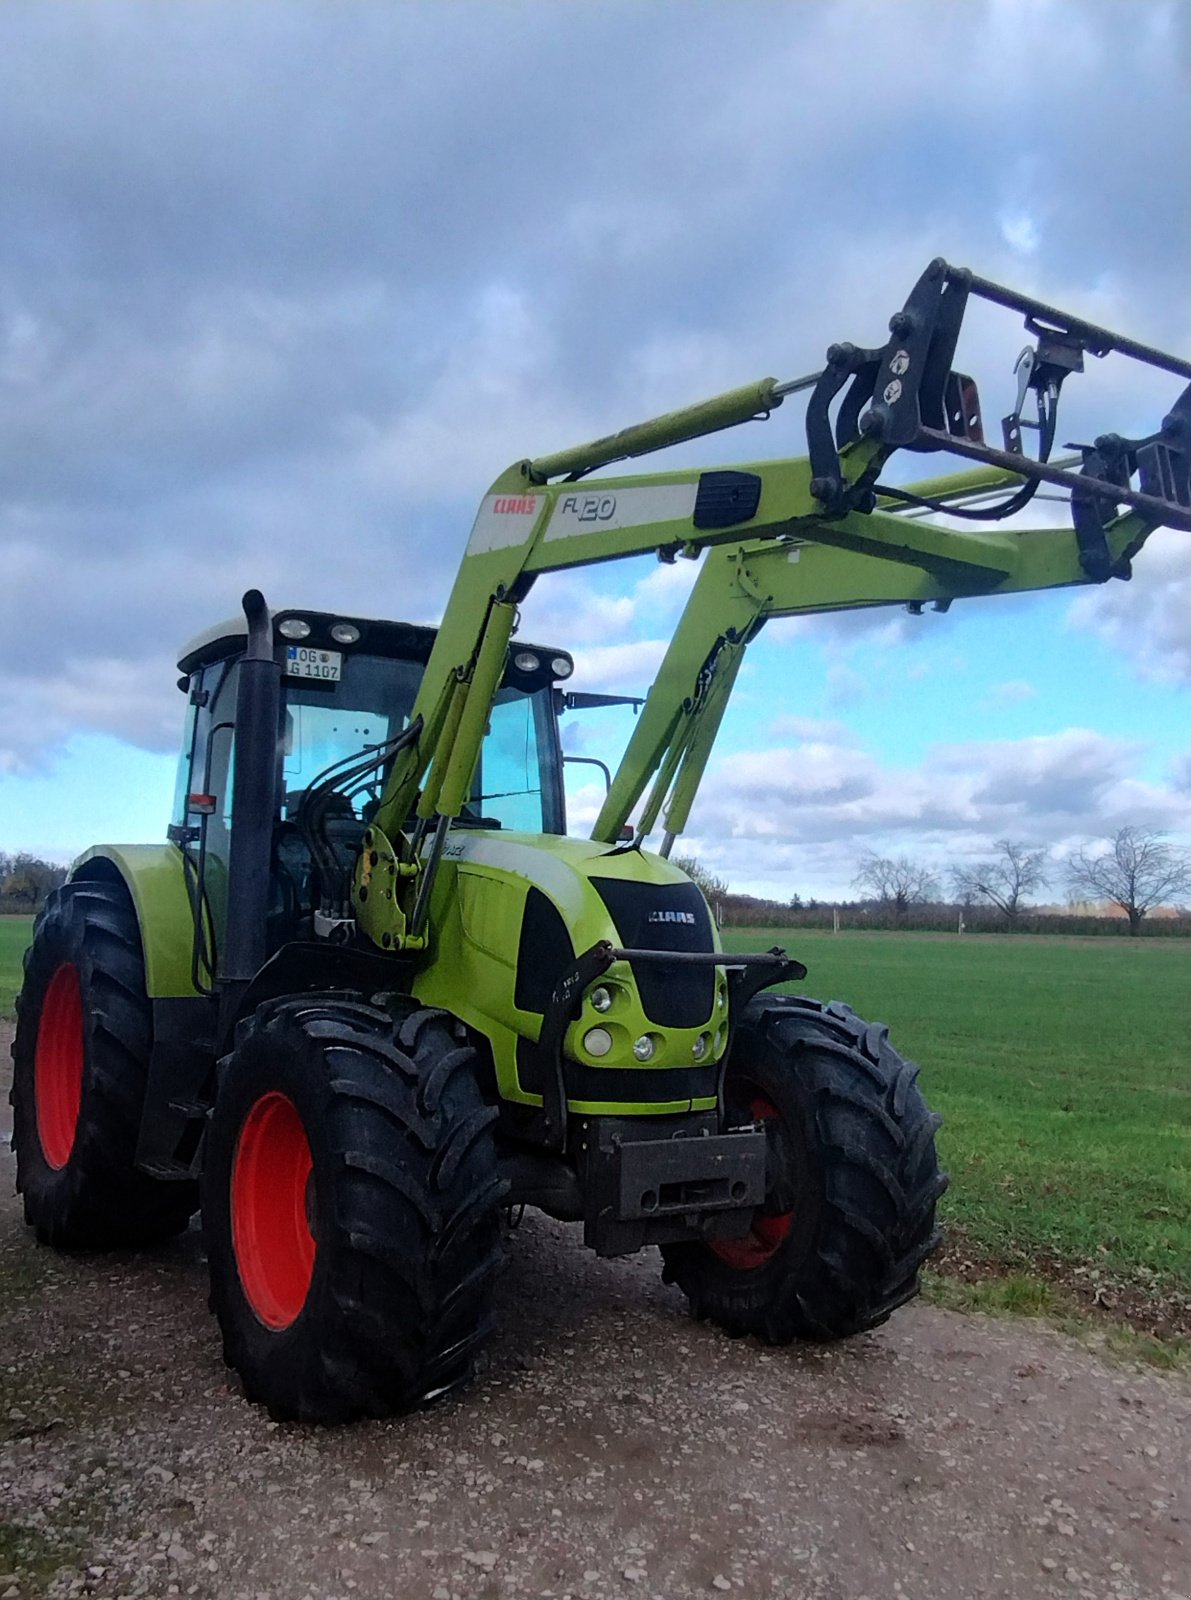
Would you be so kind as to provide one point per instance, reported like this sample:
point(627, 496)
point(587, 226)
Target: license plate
point(304, 661)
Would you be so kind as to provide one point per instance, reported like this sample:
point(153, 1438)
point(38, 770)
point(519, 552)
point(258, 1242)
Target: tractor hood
point(511, 912)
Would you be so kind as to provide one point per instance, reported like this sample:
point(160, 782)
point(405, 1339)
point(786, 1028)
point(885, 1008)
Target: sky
point(283, 289)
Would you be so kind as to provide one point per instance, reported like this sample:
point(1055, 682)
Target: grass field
point(14, 936)
point(1062, 1070)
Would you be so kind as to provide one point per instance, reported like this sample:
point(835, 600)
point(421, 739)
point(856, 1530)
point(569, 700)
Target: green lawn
point(14, 936)
point(1063, 1073)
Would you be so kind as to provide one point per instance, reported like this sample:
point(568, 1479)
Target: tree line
point(1136, 870)
point(25, 880)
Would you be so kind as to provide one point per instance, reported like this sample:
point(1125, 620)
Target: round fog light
point(597, 1041)
point(294, 628)
point(701, 1046)
point(601, 1000)
point(644, 1047)
point(561, 667)
point(526, 661)
point(345, 633)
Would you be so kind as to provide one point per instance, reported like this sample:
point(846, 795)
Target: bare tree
point(1138, 871)
point(1005, 881)
point(29, 879)
point(713, 888)
point(896, 882)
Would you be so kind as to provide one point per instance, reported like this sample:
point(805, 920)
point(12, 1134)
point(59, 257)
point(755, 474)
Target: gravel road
point(612, 1447)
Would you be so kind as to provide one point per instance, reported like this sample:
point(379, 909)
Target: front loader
point(370, 997)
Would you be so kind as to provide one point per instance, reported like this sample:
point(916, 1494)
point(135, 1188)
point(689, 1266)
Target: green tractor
point(370, 997)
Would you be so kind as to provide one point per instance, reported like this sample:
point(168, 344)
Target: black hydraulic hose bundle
point(342, 780)
point(1020, 498)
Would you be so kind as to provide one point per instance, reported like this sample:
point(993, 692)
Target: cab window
point(508, 783)
point(326, 723)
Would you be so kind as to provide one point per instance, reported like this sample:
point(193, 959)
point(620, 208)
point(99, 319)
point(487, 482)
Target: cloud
point(584, 801)
point(804, 813)
point(582, 608)
point(811, 730)
point(768, 787)
point(1013, 692)
point(845, 686)
point(1020, 232)
point(1044, 776)
point(1147, 620)
point(123, 698)
point(627, 668)
point(881, 627)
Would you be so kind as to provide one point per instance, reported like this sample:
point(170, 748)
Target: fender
point(155, 878)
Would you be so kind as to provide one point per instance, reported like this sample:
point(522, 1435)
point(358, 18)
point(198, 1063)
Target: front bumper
point(697, 1184)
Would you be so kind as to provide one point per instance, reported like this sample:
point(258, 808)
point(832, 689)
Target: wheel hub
point(770, 1228)
point(272, 1203)
point(58, 1066)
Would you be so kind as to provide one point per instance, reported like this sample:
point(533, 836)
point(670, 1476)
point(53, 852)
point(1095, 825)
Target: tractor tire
point(80, 1070)
point(853, 1178)
point(351, 1208)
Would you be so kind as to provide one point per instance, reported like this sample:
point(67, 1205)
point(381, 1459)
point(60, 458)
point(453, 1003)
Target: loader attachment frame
point(792, 536)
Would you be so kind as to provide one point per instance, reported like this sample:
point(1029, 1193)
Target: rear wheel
point(351, 1208)
point(853, 1178)
point(80, 1070)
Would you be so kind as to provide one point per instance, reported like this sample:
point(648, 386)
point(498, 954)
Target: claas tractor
point(370, 998)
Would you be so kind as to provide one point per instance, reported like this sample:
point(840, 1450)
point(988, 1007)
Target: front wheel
point(853, 1178)
point(351, 1208)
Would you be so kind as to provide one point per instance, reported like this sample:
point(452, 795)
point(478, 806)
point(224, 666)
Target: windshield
point(324, 722)
point(371, 703)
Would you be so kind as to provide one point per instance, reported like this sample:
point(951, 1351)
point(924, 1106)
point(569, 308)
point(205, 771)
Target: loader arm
point(787, 537)
point(741, 587)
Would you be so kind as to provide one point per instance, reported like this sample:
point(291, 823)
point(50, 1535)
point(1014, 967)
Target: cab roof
point(405, 641)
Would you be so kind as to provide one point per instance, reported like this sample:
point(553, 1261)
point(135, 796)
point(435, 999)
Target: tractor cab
point(347, 689)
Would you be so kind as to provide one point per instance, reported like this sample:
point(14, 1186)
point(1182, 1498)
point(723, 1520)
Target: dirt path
point(612, 1447)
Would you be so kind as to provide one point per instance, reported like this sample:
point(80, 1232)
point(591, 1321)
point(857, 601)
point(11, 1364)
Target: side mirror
point(578, 700)
point(591, 761)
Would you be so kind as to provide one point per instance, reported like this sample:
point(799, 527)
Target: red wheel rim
point(58, 1066)
point(768, 1233)
point(271, 1235)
